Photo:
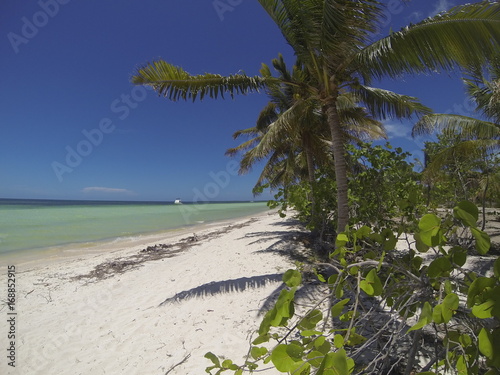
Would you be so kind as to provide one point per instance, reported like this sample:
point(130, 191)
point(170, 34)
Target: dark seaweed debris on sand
point(161, 251)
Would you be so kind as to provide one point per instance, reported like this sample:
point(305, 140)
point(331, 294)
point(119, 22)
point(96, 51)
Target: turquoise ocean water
point(27, 225)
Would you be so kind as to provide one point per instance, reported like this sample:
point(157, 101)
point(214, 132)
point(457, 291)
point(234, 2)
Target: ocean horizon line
point(52, 201)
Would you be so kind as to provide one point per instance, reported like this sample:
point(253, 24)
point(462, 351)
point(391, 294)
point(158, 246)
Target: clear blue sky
point(73, 127)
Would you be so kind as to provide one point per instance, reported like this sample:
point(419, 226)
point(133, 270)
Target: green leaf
point(322, 345)
point(282, 359)
point(458, 256)
point(477, 290)
point(257, 352)
point(311, 320)
point(341, 240)
point(429, 226)
point(437, 314)
point(212, 357)
point(372, 284)
point(339, 290)
point(332, 279)
point(416, 262)
point(284, 308)
point(336, 362)
point(363, 232)
point(419, 244)
point(265, 325)
point(495, 339)
point(425, 317)
point(448, 287)
point(355, 339)
point(390, 240)
point(304, 369)
point(450, 305)
point(483, 242)
point(485, 343)
point(496, 268)
point(467, 212)
point(295, 351)
point(439, 267)
point(261, 339)
point(292, 278)
point(315, 358)
point(465, 340)
point(339, 307)
point(338, 341)
point(309, 333)
point(484, 310)
point(461, 366)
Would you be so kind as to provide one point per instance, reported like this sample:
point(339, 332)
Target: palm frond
point(483, 87)
point(253, 131)
point(360, 126)
point(267, 116)
point(383, 103)
point(243, 147)
point(468, 127)
point(175, 83)
point(465, 150)
point(467, 35)
point(312, 27)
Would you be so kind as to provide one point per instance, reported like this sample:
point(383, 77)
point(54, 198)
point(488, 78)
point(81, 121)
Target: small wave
point(126, 239)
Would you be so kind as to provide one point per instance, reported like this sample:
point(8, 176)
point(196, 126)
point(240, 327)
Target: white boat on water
point(177, 201)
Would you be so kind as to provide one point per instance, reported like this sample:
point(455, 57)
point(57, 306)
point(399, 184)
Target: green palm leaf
point(175, 83)
point(483, 86)
point(465, 150)
point(443, 42)
point(384, 103)
point(468, 127)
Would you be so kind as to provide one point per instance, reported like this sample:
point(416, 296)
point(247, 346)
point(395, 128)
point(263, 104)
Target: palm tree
point(288, 125)
point(479, 138)
point(332, 39)
point(483, 88)
point(293, 133)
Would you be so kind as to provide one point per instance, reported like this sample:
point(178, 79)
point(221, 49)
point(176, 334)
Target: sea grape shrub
point(382, 186)
point(385, 309)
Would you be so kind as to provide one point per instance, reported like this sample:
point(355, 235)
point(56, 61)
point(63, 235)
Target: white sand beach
point(150, 312)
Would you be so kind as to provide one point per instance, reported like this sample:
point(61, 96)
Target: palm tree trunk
point(484, 201)
point(310, 173)
point(338, 149)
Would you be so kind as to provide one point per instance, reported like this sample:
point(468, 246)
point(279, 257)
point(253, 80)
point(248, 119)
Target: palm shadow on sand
point(290, 244)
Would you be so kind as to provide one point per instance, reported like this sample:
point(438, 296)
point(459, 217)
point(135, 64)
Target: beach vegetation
point(386, 309)
point(383, 188)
